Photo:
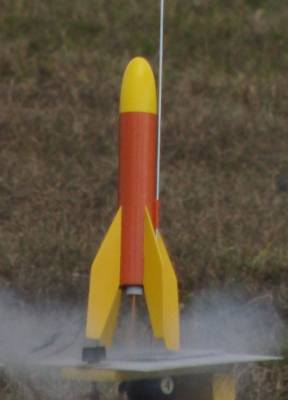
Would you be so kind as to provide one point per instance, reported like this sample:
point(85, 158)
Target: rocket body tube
point(137, 166)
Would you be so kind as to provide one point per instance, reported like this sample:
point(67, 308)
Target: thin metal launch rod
point(160, 86)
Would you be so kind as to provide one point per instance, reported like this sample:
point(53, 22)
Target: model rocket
point(132, 259)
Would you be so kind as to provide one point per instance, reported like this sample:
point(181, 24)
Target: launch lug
point(93, 354)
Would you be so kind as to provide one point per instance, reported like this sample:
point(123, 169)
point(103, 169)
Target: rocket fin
point(104, 285)
point(171, 302)
point(160, 286)
point(107, 335)
point(153, 278)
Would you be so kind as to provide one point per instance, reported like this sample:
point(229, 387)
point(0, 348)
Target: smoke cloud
point(228, 321)
point(213, 320)
point(31, 335)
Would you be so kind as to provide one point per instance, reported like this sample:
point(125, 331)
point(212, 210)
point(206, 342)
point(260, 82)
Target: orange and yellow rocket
point(132, 259)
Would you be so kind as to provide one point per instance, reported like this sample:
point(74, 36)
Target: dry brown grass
point(224, 140)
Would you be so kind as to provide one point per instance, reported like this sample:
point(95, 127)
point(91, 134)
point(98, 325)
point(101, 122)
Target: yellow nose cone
point(138, 91)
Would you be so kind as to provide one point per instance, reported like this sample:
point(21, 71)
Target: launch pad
point(143, 366)
point(165, 376)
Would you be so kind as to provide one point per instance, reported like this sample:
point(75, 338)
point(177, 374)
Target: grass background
point(224, 144)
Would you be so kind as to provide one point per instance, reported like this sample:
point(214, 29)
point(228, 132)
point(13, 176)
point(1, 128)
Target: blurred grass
point(224, 140)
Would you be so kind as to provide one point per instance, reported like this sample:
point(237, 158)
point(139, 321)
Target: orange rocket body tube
point(137, 166)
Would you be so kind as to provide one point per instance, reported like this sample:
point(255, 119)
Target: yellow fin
point(153, 278)
point(171, 302)
point(104, 285)
point(107, 335)
point(160, 286)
